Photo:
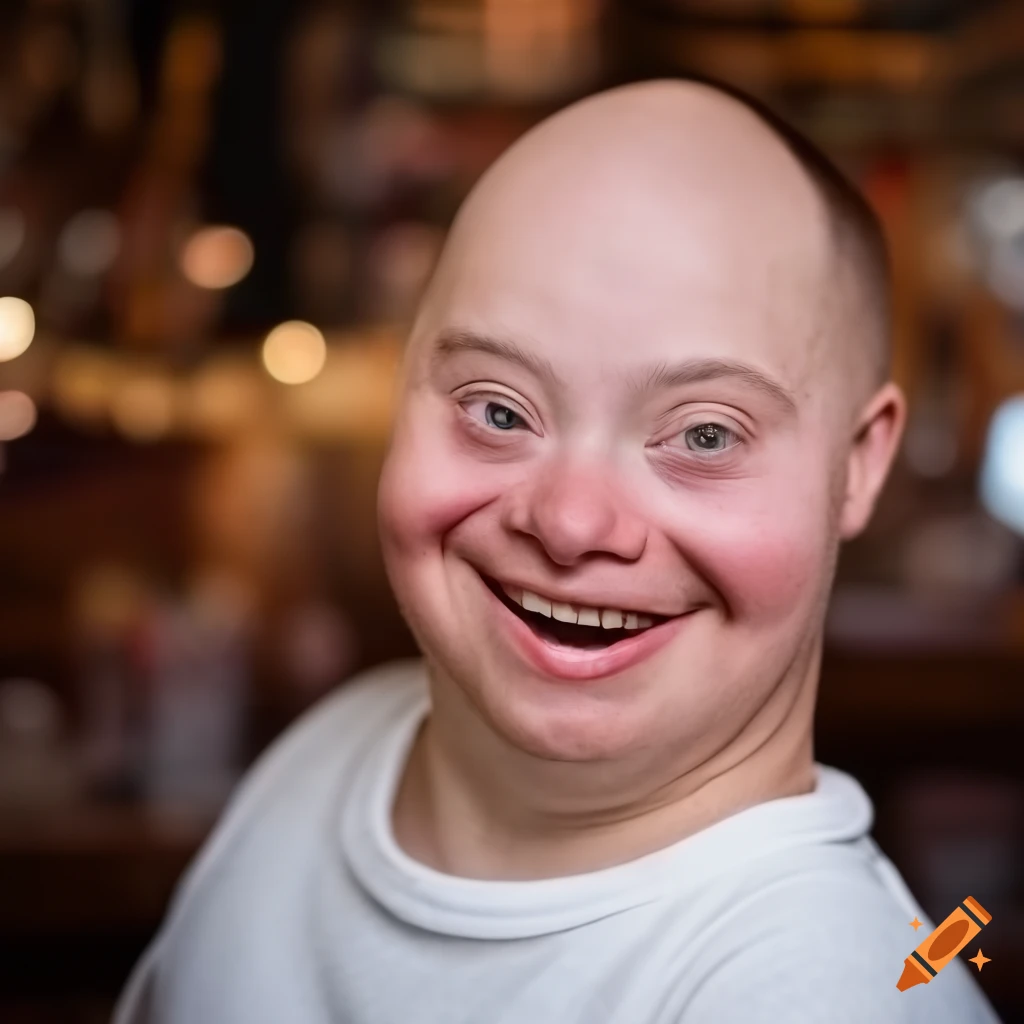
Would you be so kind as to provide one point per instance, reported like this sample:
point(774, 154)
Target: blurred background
point(215, 221)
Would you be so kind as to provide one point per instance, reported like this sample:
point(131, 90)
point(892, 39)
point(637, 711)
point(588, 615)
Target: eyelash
point(706, 456)
point(702, 456)
point(498, 400)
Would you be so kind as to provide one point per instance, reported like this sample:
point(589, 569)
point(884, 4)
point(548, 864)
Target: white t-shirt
point(303, 909)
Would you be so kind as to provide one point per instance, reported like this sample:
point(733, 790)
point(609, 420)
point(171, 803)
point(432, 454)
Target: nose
point(574, 510)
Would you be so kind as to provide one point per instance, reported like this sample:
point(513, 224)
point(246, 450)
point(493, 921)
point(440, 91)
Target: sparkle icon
point(980, 960)
point(943, 944)
point(915, 924)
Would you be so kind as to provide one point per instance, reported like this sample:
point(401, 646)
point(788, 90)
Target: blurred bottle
point(37, 770)
point(106, 605)
point(197, 664)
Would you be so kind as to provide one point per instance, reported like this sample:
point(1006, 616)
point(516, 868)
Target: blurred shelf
point(91, 870)
point(962, 688)
point(988, 37)
point(902, 61)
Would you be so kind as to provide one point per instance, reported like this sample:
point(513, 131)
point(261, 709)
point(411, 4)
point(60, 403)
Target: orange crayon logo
point(943, 944)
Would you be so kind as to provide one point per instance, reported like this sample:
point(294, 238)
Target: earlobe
point(879, 432)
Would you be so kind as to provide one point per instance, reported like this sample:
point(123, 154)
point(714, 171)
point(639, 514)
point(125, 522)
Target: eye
point(496, 414)
point(500, 416)
point(709, 437)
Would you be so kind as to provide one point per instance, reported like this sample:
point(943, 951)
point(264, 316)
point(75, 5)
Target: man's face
point(706, 496)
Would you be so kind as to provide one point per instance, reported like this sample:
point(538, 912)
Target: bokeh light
point(294, 352)
point(224, 396)
point(17, 327)
point(351, 398)
point(143, 408)
point(106, 596)
point(89, 243)
point(83, 381)
point(1006, 272)
point(17, 415)
point(999, 207)
point(1002, 477)
point(217, 257)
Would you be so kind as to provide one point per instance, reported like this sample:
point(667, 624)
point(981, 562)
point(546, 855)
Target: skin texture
point(653, 224)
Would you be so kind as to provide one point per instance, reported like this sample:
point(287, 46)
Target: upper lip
point(622, 602)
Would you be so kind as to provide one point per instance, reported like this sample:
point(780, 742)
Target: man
point(644, 401)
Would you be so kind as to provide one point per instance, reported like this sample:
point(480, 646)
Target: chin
point(552, 736)
point(555, 724)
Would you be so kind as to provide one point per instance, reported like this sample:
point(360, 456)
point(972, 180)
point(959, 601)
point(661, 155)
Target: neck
point(472, 805)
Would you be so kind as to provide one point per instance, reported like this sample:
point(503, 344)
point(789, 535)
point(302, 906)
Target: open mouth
point(569, 634)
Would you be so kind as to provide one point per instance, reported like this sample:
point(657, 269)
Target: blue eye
point(708, 437)
point(501, 417)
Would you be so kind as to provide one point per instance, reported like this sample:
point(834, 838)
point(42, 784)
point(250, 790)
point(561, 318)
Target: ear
point(877, 439)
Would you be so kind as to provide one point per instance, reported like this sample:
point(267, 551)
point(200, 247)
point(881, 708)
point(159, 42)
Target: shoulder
point(270, 821)
point(354, 710)
point(819, 937)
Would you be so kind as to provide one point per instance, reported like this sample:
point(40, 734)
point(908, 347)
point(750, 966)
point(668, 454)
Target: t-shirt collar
point(837, 810)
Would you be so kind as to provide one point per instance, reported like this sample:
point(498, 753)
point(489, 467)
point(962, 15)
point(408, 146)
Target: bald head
point(691, 174)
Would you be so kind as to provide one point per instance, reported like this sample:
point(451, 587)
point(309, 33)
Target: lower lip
point(577, 664)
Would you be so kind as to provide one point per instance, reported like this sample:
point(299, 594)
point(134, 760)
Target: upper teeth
point(608, 618)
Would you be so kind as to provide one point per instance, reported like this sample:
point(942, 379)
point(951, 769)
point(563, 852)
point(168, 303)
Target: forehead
point(631, 266)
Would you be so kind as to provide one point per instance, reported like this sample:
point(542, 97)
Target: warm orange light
point(354, 396)
point(82, 384)
point(223, 397)
point(143, 409)
point(17, 327)
point(294, 352)
point(217, 257)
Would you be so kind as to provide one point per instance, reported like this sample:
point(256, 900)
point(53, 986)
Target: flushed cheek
point(427, 490)
point(428, 498)
point(766, 564)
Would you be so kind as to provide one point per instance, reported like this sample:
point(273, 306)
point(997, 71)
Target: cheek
point(426, 490)
point(765, 551)
point(774, 570)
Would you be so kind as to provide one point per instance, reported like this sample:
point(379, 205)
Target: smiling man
point(644, 401)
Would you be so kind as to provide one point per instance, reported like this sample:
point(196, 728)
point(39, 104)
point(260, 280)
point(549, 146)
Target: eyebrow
point(692, 371)
point(451, 342)
point(660, 377)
